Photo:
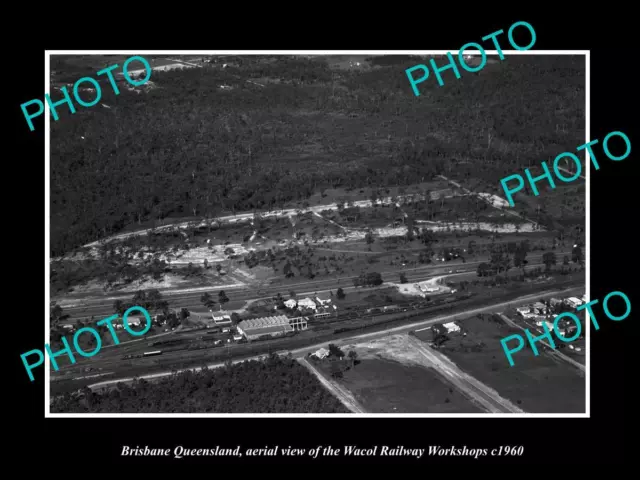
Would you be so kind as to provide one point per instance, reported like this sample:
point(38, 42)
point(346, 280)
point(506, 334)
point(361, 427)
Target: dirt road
point(472, 388)
point(345, 397)
point(508, 211)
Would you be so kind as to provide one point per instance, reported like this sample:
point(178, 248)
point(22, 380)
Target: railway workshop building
point(255, 328)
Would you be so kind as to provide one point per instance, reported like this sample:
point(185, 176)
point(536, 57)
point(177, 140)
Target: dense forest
point(275, 385)
point(187, 147)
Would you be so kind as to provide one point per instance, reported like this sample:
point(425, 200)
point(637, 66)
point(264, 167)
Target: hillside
point(205, 141)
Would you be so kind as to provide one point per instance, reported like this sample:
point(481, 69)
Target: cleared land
point(386, 386)
point(405, 350)
point(537, 384)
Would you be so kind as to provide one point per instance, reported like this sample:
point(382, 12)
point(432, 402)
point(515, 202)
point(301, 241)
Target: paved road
point(301, 352)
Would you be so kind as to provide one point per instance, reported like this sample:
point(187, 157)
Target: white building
point(131, 321)
point(291, 303)
point(451, 327)
point(307, 303)
point(426, 287)
point(573, 302)
point(220, 319)
point(321, 353)
point(526, 311)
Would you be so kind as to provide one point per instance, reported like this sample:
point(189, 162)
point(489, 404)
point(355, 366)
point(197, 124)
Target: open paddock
point(386, 386)
point(538, 384)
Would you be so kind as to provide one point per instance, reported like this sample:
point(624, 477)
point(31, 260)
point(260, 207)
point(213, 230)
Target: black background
point(66, 444)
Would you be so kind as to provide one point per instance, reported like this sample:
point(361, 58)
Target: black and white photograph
point(301, 234)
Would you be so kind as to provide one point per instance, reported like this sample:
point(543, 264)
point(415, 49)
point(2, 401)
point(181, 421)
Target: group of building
point(542, 313)
point(134, 320)
point(301, 311)
point(316, 307)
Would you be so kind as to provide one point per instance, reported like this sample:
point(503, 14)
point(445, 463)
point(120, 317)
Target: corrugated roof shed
point(264, 322)
point(257, 331)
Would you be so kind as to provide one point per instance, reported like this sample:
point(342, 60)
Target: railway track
point(184, 354)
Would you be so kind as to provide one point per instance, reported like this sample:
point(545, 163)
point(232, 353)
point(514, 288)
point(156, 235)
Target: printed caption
point(180, 451)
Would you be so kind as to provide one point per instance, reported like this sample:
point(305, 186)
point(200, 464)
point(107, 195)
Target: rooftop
point(268, 329)
point(264, 322)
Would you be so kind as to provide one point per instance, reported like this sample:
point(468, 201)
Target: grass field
point(538, 384)
point(385, 386)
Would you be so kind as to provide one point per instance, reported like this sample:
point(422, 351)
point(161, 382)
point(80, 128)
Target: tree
point(207, 301)
point(184, 313)
point(519, 258)
point(576, 254)
point(206, 263)
point(154, 300)
point(498, 259)
point(352, 356)
point(549, 259)
point(340, 293)
point(368, 279)
point(222, 298)
point(235, 318)
point(173, 321)
point(119, 307)
point(218, 268)
point(56, 314)
point(409, 228)
point(292, 294)
point(140, 299)
point(484, 269)
point(403, 278)
point(335, 351)
point(286, 269)
point(369, 238)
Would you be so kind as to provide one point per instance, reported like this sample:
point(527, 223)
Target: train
point(145, 354)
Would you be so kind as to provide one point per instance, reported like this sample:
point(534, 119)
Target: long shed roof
point(281, 320)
